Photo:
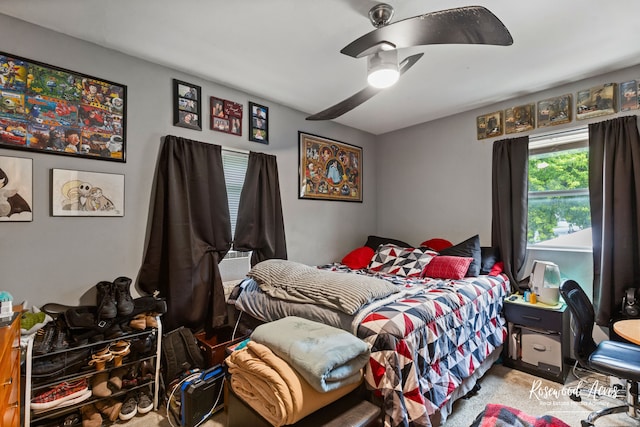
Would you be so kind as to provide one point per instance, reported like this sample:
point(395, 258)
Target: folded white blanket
point(327, 357)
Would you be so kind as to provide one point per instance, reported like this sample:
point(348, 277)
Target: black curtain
point(260, 224)
point(614, 194)
point(509, 204)
point(190, 233)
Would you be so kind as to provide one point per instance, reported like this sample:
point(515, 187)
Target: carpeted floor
point(501, 385)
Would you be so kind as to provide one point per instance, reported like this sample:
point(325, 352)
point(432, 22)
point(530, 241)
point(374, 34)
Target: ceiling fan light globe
point(383, 77)
point(382, 69)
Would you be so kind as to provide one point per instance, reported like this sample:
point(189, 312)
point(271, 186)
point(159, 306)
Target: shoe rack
point(101, 359)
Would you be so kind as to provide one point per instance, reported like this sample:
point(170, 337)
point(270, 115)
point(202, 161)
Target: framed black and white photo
point(187, 110)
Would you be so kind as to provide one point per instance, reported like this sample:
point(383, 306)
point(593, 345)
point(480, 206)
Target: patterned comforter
point(426, 342)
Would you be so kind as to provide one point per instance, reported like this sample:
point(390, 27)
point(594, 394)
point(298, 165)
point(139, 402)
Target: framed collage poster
point(16, 189)
point(554, 111)
point(54, 110)
point(187, 110)
point(629, 95)
point(80, 193)
point(226, 116)
point(490, 125)
point(329, 169)
point(259, 123)
point(596, 101)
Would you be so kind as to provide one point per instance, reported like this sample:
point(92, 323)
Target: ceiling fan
point(464, 25)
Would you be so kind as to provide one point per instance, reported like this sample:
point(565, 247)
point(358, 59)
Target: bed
point(431, 339)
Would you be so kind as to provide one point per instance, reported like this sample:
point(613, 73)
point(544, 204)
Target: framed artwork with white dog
point(53, 110)
point(81, 193)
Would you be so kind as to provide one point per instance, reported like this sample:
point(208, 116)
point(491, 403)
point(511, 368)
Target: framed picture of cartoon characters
point(82, 193)
point(16, 189)
point(329, 169)
point(53, 110)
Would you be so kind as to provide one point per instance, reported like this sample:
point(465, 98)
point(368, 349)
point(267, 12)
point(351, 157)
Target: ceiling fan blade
point(353, 101)
point(464, 25)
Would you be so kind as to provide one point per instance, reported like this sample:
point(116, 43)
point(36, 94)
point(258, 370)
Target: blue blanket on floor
point(327, 357)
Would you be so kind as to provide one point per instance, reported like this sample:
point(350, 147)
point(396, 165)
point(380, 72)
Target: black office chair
point(615, 358)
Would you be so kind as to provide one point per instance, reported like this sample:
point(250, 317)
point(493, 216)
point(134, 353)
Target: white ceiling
point(288, 51)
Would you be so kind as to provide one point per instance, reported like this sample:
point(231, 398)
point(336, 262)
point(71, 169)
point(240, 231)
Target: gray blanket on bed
point(327, 357)
point(292, 281)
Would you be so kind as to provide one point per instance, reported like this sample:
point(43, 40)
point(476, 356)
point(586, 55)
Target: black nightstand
point(538, 339)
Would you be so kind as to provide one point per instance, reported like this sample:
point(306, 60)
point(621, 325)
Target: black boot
point(123, 296)
point(106, 301)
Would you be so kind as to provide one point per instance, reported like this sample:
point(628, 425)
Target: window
point(559, 214)
point(235, 168)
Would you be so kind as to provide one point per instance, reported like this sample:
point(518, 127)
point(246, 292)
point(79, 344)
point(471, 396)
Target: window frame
point(552, 143)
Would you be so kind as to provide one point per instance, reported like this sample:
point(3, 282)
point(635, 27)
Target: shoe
point(151, 320)
point(60, 364)
point(43, 340)
point(145, 401)
point(124, 301)
point(119, 349)
point(113, 332)
point(100, 358)
point(90, 416)
point(129, 406)
point(100, 385)
point(60, 336)
point(106, 301)
point(115, 378)
point(139, 322)
point(110, 408)
point(147, 371)
point(57, 395)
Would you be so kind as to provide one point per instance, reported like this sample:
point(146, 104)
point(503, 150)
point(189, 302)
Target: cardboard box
point(214, 346)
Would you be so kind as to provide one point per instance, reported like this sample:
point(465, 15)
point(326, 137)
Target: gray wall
point(434, 179)
point(60, 259)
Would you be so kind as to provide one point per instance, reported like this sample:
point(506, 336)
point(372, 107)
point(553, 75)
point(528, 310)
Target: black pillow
point(489, 256)
point(374, 241)
point(468, 248)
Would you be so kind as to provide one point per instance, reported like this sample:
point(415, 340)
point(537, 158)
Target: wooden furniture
point(538, 341)
point(10, 371)
point(628, 329)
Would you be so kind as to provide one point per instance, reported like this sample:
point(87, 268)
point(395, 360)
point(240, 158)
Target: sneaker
point(59, 394)
point(43, 340)
point(129, 407)
point(145, 401)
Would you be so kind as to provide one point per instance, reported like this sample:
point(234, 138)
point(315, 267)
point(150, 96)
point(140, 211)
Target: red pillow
point(447, 267)
point(497, 268)
point(358, 258)
point(437, 244)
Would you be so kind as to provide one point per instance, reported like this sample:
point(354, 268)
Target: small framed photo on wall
point(629, 95)
point(596, 101)
point(259, 123)
point(16, 189)
point(554, 111)
point(490, 125)
point(226, 116)
point(187, 105)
